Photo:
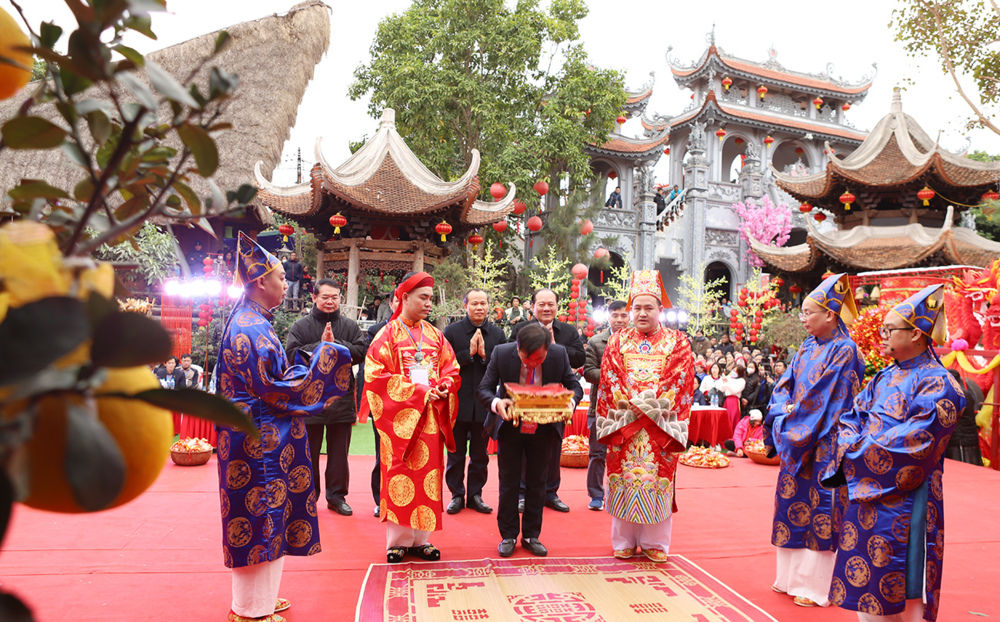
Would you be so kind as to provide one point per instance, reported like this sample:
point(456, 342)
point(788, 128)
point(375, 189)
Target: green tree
point(513, 82)
point(151, 248)
point(987, 216)
point(962, 35)
point(488, 271)
point(699, 298)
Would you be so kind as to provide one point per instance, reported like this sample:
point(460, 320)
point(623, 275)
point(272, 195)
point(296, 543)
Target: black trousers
point(473, 434)
point(376, 472)
point(338, 444)
point(513, 448)
point(553, 476)
point(596, 463)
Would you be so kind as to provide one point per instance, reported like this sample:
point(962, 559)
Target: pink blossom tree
point(766, 222)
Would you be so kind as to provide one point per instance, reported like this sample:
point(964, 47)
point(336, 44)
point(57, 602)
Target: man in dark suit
point(473, 339)
point(531, 360)
point(545, 304)
point(376, 474)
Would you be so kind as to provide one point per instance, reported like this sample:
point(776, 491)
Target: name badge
point(420, 374)
point(528, 427)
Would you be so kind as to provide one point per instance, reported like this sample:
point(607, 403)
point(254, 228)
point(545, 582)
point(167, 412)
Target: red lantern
point(734, 312)
point(206, 261)
point(286, 230)
point(847, 198)
point(806, 207)
point(203, 322)
point(535, 224)
point(733, 325)
point(738, 140)
point(795, 289)
point(846, 106)
point(799, 150)
point(338, 221)
point(562, 318)
point(768, 141)
point(727, 82)
point(762, 91)
point(742, 302)
point(475, 239)
point(589, 333)
point(541, 187)
point(667, 151)
point(926, 195)
point(744, 291)
point(612, 175)
point(721, 133)
point(444, 229)
point(579, 271)
point(574, 290)
point(519, 207)
point(586, 227)
point(779, 282)
point(500, 226)
point(572, 306)
point(577, 281)
point(621, 119)
point(820, 216)
point(818, 102)
point(601, 253)
point(990, 195)
point(498, 191)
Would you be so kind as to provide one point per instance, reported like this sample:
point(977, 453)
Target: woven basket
point(574, 459)
point(760, 458)
point(190, 458)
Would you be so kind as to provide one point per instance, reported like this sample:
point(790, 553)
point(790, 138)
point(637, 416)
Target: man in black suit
point(376, 474)
point(473, 339)
point(545, 304)
point(531, 360)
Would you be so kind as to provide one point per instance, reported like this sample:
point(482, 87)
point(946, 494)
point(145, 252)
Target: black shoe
point(395, 554)
point(520, 506)
point(557, 505)
point(427, 552)
point(534, 546)
point(340, 507)
point(476, 503)
point(456, 505)
point(506, 548)
point(377, 513)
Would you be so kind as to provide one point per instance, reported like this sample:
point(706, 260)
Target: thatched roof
point(274, 58)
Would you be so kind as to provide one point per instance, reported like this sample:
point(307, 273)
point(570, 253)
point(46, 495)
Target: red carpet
point(159, 558)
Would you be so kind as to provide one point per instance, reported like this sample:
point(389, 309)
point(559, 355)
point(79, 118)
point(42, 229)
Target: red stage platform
point(159, 558)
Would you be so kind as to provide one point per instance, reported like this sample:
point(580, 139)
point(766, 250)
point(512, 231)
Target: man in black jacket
point(293, 275)
point(531, 360)
point(325, 323)
point(376, 472)
point(545, 306)
point(473, 339)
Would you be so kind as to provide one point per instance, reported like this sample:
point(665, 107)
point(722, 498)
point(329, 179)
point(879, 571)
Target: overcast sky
point(628, 36)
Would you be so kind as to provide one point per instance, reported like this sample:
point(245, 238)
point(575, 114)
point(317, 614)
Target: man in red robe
point(411, 382)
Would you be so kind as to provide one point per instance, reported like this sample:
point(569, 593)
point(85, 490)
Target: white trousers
point(255, 588)
point(806, 573)
point(914, 612)
point(626, 534)
point(396, 535)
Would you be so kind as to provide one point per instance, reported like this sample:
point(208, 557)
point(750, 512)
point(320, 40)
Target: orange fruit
point(143, 433)
point(13, 79)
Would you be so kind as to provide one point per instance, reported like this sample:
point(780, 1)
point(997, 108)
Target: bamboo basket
point(190, 458)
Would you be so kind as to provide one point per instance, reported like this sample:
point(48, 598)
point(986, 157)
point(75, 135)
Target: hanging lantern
point(666, 151)
point(799, 151)
point(601, 253)
point(497, 191)
point(286, 230)
point(586, 227)
point(338, 221)
point(846, 106)
point(795, 289)
point(768, 141)
point(818, 102)
point(721, 133)
point(820, 216)
point(779, 282)
point(444, 229)
point(621, 119)
point(727, 82)
point(990, 195)
point(612, 175)
point(805, 207)
point(744, 291)
point(475, 239)
point(738, 140)
point(541, 187)
point(734, 313)
point(847, 198)
point(535, 224)
point(519, 207)
point(562, 318)
point(762, 91)
point(579, 271)
point(500, 227)
point(926, 195)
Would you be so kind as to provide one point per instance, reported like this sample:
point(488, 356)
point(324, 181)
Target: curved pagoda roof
point(637, 149)
point(880, 248)
point(896, 160)
point(769, 73)
point(385, 183)
point(717, 111)
point(636, 101)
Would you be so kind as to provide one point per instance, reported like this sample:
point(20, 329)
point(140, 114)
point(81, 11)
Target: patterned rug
point(549, 590)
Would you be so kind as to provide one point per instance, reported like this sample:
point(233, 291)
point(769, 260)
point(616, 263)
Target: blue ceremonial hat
point(834, 294)
point(252, 261)
point(925, 312)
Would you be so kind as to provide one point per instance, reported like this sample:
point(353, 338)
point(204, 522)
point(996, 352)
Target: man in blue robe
point(889, 456)
point(820, 383)
point(267, 494)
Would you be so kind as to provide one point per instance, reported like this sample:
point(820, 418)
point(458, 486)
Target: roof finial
point(897, 102)
point(388, 120)
point(711, 36)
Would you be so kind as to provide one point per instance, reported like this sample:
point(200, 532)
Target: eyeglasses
point(886, 331)
point(805, 314)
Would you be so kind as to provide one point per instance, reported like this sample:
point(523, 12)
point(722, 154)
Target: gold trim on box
point(541, 409)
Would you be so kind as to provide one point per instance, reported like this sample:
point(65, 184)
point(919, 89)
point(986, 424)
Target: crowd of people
point(859, 482)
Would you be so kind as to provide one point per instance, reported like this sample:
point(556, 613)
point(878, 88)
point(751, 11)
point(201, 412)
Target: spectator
point(727, 309)
point(712, 386)
point(660, 199)
point(712, 343)
point(615, 199)
point(673, 194)
point(733, 385)
point(964, 443)
point(748, 429)
point(373, 308)
point(293, 275)
point(516, 314)
point(192, 378)
point(169, 374)
point(194, 259)
point(726, 346)
point(384, 312)
point(699, 345)
point(751, 392)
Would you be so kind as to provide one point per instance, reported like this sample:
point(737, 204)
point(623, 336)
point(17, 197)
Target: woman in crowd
point(750, 428)
point(751, 392)
point(733, 384)
point(713, 383)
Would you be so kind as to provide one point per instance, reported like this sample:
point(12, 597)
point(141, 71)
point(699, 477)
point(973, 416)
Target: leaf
point(218, 200)
point(190, 197)
point(48, 34)
point(74, 153)
point(37, 334)
point(131, 54)
point(31, 188)
point(199, 404)
point(146, 6)
point(140, 90)
point(168, 86)
point(222, 41)
point(95, 467)
point(72, 82)
point(206, 154)
point(84, 190)
point(129, 339)
point(245, 193)
point(100, 126)
point(32, 133)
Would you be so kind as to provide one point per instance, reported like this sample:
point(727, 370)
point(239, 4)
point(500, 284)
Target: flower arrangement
point(191, 445)
point(865, 333)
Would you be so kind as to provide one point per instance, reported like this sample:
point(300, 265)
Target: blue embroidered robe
point(821, 382)
point(890, 449)
point(267, 493)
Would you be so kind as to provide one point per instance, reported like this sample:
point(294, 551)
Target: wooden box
point(550, 403)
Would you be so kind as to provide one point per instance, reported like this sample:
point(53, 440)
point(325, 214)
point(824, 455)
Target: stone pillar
point(696, 177)
point(646, 213)
point(751, 175)
point(353, 269)
point(418, 259)
point(320, 260)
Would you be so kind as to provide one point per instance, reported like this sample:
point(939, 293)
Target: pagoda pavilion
point(382, 209)
point(894, 200)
